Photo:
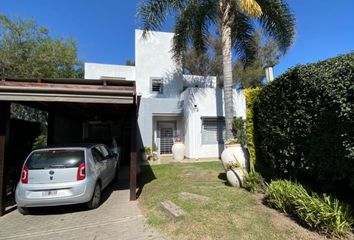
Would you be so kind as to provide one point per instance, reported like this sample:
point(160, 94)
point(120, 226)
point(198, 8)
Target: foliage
point(251, 95)
point(247, 75)
point(27, 51)
point(232, 141)
point(146, 150)
point(28, 114)
point(129, 62)
point(41, 141)
point(232, 165)
point(254, 182)
point(239, 130)
point(252, 74)
point(304, 124)
point(321, 213)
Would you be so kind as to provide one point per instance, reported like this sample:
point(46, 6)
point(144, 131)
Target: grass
point(232, 213)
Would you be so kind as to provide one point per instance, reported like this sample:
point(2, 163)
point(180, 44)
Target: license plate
point(49, 193)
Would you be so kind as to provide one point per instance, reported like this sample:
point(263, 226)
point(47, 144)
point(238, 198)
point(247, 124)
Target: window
point(156, 85)
point(96, 154)
point(55, 159)
point(105, 152)
point(213, 130)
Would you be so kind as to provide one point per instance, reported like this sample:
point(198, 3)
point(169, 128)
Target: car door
point(108, 155)
point(101, 164)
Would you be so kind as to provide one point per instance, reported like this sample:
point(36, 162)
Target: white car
point(66, 175)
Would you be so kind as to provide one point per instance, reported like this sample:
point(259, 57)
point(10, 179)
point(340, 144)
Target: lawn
point(231, 213)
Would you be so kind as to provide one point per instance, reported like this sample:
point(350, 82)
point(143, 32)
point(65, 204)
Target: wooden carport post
point(4, 119)
point(133, 160)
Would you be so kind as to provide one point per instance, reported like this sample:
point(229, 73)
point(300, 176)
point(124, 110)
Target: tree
point(27, 51)
point(252, 75)
point(129, 62)
point(196, 18)
point(248, 75)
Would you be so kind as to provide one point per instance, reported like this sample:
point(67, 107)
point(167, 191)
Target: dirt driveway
point(116, 218)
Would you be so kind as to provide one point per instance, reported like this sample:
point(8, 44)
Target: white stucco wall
point(98, 71)
point(207, 102)
point(153, 59)
point(199, 81)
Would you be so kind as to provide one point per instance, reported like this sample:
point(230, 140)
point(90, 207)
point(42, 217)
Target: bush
point(304, 125)
point(254, 182)
point(239, 130)
point(324, 214)
point(250, 95)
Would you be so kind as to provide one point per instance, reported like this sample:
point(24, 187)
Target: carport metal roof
point(68, 90)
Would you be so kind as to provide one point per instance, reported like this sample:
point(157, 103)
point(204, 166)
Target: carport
point(73, 105)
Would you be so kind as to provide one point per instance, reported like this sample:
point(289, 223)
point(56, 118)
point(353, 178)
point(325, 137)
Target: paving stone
point(173, 210)
point(116, 218)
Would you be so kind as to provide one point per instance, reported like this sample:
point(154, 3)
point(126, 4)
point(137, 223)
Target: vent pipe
point(269, 73)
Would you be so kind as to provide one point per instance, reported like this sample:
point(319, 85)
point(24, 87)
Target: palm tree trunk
point(227, 65)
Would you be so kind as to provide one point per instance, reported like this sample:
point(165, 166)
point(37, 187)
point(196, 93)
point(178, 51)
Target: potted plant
point(178, 149)
point(234, 173)
point(154, 153)
point(233, 152)
point(146, 153)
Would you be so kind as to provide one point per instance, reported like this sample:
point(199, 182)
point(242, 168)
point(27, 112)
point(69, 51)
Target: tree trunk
point(227, 65)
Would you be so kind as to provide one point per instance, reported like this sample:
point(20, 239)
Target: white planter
point(235, 177)
point(178, 150)
point(233, 153)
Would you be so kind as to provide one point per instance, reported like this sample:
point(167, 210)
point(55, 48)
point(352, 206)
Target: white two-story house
point(172, 104)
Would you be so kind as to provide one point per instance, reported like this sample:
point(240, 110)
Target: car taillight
point(24, 175)
point(81, 172)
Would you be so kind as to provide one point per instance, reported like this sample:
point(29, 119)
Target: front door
point(166, 130)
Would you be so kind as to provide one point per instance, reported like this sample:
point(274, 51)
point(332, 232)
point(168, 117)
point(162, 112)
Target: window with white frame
point(156, 85)
point(213, 130)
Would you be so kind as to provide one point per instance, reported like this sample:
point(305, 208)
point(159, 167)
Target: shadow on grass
point(222, 176)
point(146, 176)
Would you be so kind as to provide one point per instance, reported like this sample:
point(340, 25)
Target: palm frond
point(251, 8)
point(192, 26)
point(153, 13)
point(242, 30)
point(278, 22)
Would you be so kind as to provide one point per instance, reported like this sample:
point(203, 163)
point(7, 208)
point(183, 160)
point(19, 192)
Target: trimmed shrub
point(250, 95)
point(239, 130)
point(254, 182)
point(304, 125)
point(324, 214)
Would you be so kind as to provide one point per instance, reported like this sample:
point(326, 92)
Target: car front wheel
point(23, 210)
point(96, 198)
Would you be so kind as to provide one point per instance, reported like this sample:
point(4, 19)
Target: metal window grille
point(156, 85)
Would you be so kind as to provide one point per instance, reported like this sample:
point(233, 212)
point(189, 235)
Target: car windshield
point(55, 159)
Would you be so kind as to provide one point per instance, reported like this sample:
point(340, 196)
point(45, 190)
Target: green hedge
point(304, 124)
point(324, 214)
point(251, 96)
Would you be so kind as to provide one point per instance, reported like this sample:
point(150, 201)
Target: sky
point(104, 29)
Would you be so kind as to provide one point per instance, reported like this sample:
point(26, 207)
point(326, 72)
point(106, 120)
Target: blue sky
point(104, 29)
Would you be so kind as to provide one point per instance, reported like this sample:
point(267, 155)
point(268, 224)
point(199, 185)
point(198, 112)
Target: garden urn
point(233, 153)
point(235, 176)
point(178, 150)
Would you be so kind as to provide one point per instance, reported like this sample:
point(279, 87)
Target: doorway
point(166, 134)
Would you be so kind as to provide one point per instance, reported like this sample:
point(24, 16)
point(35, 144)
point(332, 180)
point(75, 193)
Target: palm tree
point(194, 20)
